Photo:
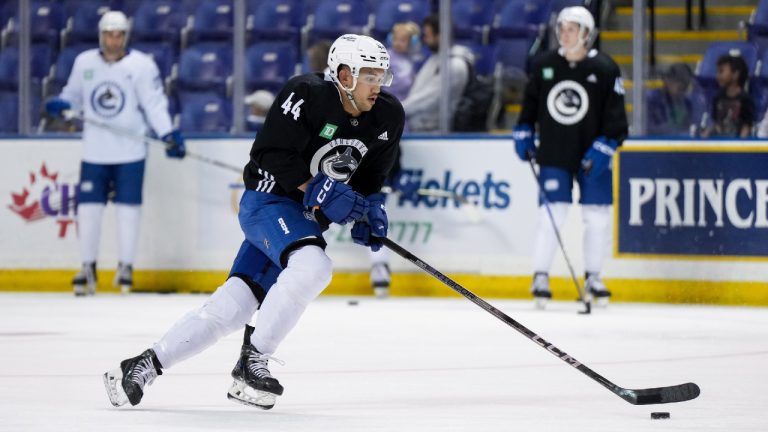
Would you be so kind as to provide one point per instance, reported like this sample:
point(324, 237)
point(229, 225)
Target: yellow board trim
point(640, 148)
point(672, 10)
point(674, 35)
point(415, 285)
point(663, 58)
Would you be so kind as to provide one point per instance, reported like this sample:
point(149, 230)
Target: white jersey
point(126, 94)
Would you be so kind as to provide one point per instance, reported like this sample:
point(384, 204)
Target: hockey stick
point(545, 203)
point(649, 396)
point(133, 135)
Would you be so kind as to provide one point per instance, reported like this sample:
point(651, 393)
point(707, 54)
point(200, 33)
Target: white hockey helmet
point(357, 52)
point(581, 16)
point(113, 21)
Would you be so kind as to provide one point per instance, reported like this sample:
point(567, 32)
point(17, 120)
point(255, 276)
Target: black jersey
point(572, 104)
point(307, 131)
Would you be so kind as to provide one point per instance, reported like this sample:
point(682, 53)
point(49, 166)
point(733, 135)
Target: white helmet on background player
point(357, 52)
point(113, 21)
point(581, 16)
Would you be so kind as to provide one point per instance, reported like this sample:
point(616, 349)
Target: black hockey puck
point(352, 302)
point(659, 415)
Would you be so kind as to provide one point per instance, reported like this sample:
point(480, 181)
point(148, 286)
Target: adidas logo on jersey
point(592, 78)
point(384, 136)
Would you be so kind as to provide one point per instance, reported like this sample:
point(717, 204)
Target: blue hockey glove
point(56, 106)
point(337, 200)
point(524, 145)
point(407, 187)
point(175, 147)
point(366, 232)
point(598, 157)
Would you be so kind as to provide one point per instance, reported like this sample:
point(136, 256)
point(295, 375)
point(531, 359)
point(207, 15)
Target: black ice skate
point(126, 384)
point(84, 282)
point(124, 278)
point(596, 288)
point(380, 279)
point(254, 385)
point(540, 290)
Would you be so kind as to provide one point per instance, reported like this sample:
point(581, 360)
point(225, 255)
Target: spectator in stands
point(675, 109)
point(733, 112)
point(258, 103)
point(317, 56)
point(403, 42)
point(422, 104)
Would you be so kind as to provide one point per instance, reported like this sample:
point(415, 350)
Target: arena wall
point(690, 224)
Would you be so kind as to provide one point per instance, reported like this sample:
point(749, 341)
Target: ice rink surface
point(400, 364)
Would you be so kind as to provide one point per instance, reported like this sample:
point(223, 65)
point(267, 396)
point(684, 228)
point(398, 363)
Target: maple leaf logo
point(38, 182)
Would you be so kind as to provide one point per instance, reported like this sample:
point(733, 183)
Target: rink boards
point(190, 232)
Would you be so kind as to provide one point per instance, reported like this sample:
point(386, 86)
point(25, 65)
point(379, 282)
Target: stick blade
point(661, 395)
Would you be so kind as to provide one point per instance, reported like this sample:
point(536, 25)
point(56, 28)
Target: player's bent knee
point(308, 273)
point(231, 306)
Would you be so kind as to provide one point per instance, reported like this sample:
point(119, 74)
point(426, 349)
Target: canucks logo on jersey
point(108, 99)
point(568, 102)
point(338, 159)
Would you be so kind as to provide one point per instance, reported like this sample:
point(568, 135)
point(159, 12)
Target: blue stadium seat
point(205, 66)
point(83, 25)
point(213, 21)
point(42, 57)
point(158, 20)
point(757, 27)
point(46, 22)
point(62, 68)
point(276, 20)
point(204, 112)
point(520, 18)
point(759, 87)
point(512, 55)
point(707, 70)
point(9, 106)
point(485, 58)
point(334, 18)
point(268, 65)
point(471, 19)
point(163, 53)
point(390, 12)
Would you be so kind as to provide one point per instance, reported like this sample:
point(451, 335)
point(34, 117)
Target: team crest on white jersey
point(568, 102)
point(338, 159)
point(107, 99)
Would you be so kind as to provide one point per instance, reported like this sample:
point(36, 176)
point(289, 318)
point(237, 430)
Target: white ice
point(400, 364)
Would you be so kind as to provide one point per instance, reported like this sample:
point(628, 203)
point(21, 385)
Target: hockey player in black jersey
point(327, 144)
point(574, 101)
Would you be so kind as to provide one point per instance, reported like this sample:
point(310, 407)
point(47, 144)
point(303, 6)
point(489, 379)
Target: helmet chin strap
point(348, 91)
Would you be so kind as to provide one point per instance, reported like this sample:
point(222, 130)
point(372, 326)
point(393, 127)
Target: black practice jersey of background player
point(572, 104)
point(307, 131)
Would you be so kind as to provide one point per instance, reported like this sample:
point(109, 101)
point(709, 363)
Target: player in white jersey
point(122, 88)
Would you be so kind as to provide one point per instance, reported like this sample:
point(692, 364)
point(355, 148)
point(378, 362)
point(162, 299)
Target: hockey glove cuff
point(366, 232)
point(598, 157)
point(56, 106)
point(524, 145)
point(175, 147)
point(337, 200)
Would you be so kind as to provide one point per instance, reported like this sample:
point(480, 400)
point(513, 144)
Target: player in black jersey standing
point(327, 144)
point(574, 100)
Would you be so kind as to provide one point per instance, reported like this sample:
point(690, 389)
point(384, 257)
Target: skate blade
point(381, 292)
point(601, 302)
point(241, 393)
point(540, 302)
point(125, 289)
point(84, 290)
point(113, 384)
